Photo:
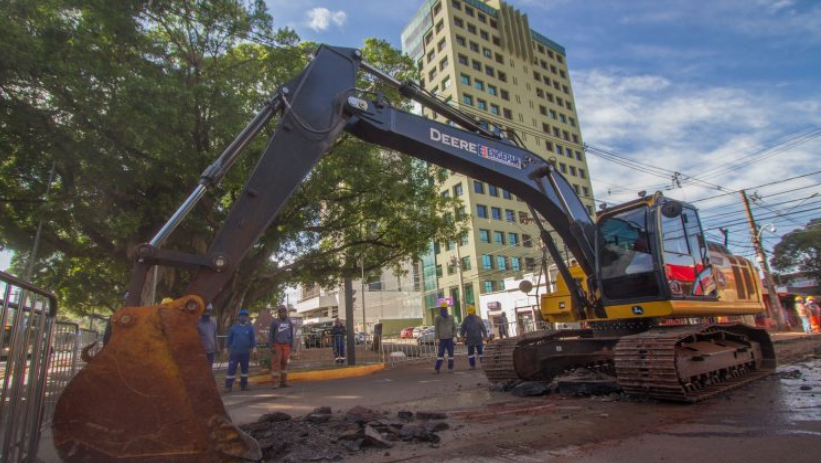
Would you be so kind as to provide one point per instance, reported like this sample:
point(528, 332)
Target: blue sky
point(690, 86)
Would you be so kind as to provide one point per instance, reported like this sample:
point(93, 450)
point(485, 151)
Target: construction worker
point(503, 326)
point(815, 313)
point(444, 331)
point(207, 330)
point(803, 314)
point(474, 331)
point(281, 339)
point(338, 333)
point(240, 343)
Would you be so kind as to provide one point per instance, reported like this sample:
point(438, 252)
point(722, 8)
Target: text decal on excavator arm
point(476, 148)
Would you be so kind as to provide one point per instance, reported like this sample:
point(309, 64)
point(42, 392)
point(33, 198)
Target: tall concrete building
point(484, 58)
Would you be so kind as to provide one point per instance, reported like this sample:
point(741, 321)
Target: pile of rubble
point(580, 382)
point(325, 436)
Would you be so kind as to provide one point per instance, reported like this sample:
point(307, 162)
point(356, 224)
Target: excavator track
point(692, 363)
point(500, 357)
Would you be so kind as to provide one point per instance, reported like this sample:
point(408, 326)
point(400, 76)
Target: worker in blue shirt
point(241, 343)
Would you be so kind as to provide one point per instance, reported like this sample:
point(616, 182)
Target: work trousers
point(806, 324)
point(478, 349)
point(444, 345)
point(339, 349)
point(282, 351)
point(209, 357)
point(241, 360)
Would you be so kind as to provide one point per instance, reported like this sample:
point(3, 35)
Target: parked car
point(418, 330)
point(361, 338)
point(426, 337)
point(406, 333)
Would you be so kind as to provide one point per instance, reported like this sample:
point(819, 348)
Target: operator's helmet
point(471, 310)
point(443, 304)
point(799, 299)
point(243, 312)
point(167, 300)
point(810, 299)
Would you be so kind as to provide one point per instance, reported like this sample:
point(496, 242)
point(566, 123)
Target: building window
point(582, 174)
point(585, 192)
point(441, 45)
point(439, 26)
point(484, 236)
point(463, 60)
point(491, 89)
point(474, 47)
point(499, 237)
point(482, 18)
point(478, 187)
point(572, 170)
point(510, 216)
point(467, 99)
point(481, 104)
point(446, 83)
point(477, 65)
point(530, 263)
point(500, 59)
point(465, 79)
point(439, 271)
point(466, 263)
point(461, 41)
point(501, 262)
point(502, 77)
point(457, 190)
point(487, 286)
point(513, 239)
point(487, 262)
point(487, 52)
point(496, 213)
point(443, 64)
point(497, 41)
point(527, 241)
point(481, 211)
point(472, 29)
point(478, 84)
point(437, 9)
point(492, 190)
point(490, 71)
point(469, 11)
point(458, 22)
point(576, 187)
point(457, 4)
point(562, 166)
point(508, 114)
point(494, 109)
point(505, 95)
point(506, 194)
point(516, 264)
point(578, 155)
point(484, 35)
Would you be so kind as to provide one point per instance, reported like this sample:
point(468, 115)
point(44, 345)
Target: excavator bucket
point(149, 396)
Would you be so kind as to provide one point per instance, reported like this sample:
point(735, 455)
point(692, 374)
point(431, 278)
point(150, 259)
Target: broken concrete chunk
point(274, 417)
point(374, 439)
point(431, 415)
point(529, 389)
point(361, 415)
point(405, 415)
point(318, 418)
point(325, 410)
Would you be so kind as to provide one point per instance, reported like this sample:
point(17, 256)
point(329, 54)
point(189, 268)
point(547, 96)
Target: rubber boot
point(283, 380)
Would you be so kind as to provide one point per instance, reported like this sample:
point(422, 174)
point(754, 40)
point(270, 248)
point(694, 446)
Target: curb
point(323, 375)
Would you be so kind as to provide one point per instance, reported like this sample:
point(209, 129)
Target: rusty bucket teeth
point(149, 396)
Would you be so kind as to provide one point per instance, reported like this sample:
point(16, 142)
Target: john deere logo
point(638, 310)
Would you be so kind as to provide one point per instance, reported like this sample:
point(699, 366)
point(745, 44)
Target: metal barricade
point(27, 315)
point(67, 345)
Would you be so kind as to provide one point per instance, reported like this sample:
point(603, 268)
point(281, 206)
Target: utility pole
point(351, 340)
point(775, 304)
point(457, 261)
point(362, 294)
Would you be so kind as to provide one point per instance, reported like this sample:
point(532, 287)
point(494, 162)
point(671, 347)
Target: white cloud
point(320, 19)
point(658, 122)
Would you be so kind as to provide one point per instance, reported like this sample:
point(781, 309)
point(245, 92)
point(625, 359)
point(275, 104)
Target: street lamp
point(771, 227)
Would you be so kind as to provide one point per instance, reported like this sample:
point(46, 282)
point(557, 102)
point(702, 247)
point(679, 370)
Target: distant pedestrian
point(444, 330)
point(503, 326)
point(207, 330)
point(241, 343)
point(474, 331)
point(338, 333)
point(803, 313)
point(815, 313)
point(281, 339)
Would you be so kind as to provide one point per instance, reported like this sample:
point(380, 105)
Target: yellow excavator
point(148, 397)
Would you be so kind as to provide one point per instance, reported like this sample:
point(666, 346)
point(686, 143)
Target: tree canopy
point(131, 100)
point(800, 250)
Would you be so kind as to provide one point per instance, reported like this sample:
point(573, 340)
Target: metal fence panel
point(27, 316)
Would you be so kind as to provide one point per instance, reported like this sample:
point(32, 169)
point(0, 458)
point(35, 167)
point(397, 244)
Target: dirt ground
point(769, 420)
